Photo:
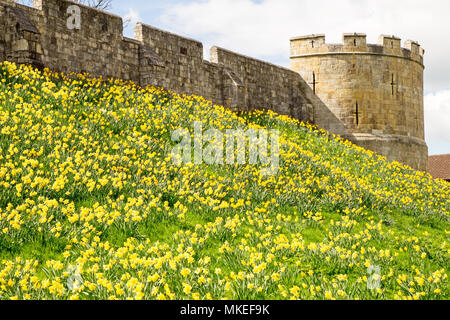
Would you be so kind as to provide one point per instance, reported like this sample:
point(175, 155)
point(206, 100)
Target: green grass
point(332, 211)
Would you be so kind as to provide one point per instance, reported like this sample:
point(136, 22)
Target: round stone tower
point(372, 93)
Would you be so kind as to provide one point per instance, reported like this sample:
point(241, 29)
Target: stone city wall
point(41, 36)
point(353, 89)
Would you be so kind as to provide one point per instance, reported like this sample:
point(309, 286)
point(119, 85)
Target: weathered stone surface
point(267, 86)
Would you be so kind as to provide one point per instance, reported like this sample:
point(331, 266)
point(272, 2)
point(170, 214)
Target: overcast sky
point(262, 29)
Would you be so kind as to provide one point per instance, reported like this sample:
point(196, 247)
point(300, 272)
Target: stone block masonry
point(265, 85)
point(325, 84)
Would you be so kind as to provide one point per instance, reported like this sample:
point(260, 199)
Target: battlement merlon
point(415, 48)
point(356, 43)
point(313, 43)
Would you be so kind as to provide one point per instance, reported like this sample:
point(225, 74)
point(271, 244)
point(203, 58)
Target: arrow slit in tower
point(314, 82)
point(393, 84)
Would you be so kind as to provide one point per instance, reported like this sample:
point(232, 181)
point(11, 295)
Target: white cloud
point(132, 17)
point(262, 29)
point(437, 122)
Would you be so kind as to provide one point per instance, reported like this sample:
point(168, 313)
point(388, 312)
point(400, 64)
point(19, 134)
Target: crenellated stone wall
point(174, 62)
point(266, 85)
point(41, 36)
point(370, 94)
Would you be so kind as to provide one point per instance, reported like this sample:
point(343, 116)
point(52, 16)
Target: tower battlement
point(371, 94)
point(374, 90)
point(356, 43)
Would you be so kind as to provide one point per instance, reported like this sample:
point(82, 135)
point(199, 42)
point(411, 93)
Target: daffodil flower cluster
point(93, 207)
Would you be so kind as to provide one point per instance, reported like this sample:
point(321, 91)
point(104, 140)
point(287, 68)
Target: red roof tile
point(439, 166)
